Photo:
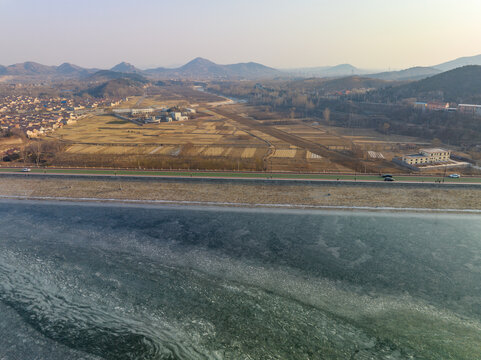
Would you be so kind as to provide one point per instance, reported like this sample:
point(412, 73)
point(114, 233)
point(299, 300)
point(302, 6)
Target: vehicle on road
point(389, 178)
point(386, 176)
point(454, 176)
point(26, 170)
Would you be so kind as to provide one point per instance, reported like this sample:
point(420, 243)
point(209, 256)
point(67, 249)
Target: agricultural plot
point(248, 153)
point(213, 151)
point(317, 136)
point(375, 155)
point(207, 137)
point(311, 156)
point(108, 150)
point(285, 153)
point(108, 130)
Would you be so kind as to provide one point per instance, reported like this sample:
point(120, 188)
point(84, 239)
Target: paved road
point(240, 175)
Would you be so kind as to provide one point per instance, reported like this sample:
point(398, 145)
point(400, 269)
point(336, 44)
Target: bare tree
point(37, 150)
point(327, 115)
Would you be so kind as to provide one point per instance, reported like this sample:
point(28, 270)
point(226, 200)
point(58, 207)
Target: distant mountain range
point(411, 74)
point(32, 69)
point(203, 69)
point(327, 71)
point(197, 69)
point(419, 73)
point(200, 69)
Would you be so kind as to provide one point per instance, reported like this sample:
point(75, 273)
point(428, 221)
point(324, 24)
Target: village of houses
point(39, 116)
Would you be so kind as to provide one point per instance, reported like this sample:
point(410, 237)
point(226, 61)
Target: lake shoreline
point(166, 204)
point(158, 192)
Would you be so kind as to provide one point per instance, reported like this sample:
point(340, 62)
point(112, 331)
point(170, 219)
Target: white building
point(142, 111)
point(428, 156)
point(470, 109)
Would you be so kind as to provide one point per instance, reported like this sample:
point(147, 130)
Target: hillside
point(355, 82)
point(463, 61)
point(411, 74)
point(107, 75)
point(252, 70)
point(461, 85)
point(340, 84)
point(30, 69)
point(119, 88)
point(70, 70)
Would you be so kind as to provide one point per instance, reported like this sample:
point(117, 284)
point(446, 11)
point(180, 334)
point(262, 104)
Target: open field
point(9, 142)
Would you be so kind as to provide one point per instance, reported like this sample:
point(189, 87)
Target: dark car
point(389, 178)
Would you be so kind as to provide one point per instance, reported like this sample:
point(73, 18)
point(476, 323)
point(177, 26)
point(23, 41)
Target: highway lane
point(334, 178)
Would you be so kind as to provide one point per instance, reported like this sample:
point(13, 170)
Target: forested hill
point(462, 85)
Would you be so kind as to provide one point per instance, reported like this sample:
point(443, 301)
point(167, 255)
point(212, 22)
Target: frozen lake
point(92, 281)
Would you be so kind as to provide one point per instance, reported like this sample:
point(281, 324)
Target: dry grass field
point(245, 193)
point(10, 142)
point(96, 140)
point(108, 131)
point(285, 153)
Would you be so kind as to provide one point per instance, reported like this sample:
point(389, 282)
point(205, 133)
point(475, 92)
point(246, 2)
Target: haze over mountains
point(203, 69)
point(411, 74)
point(33, 69)
point(327, 71)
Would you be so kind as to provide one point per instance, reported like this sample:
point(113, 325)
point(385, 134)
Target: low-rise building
point(142, 111)
point(428, 156)
point(470, 109)
point(431, 106)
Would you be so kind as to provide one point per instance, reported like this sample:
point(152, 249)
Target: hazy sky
point(280, 33)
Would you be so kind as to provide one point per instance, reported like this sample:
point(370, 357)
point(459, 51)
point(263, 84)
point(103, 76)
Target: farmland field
point(99, 134)
point(226, 136)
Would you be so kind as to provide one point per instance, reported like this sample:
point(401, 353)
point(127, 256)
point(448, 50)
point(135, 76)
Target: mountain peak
point(125, 67)
point(68, 68)
point(199, 61)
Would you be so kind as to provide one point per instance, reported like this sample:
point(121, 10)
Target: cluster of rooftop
point(39, 116)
